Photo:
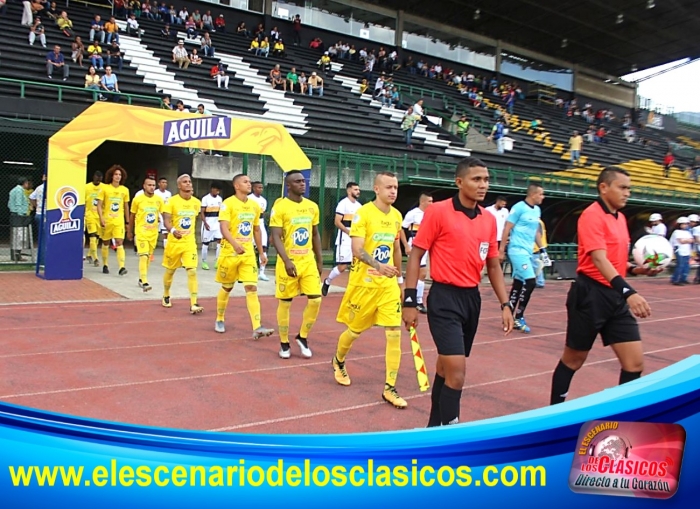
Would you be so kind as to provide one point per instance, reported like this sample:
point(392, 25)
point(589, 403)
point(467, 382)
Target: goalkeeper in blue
point(521, 232)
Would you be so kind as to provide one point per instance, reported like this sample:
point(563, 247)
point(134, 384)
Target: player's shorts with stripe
point(343, 251)
point(214, 233)
point(522, 266)
point(178, 255)
point(307, 282)
point(146, 245)
point(113, 231)
point(593, 309)
point(234, 268)
point(93, 227)
point(363, 308)
point(453, 317)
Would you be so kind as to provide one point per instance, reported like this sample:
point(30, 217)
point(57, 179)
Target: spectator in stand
point(408, 124)
point(114, 56)
point(180, 107)
point(95, 53)
point(395, 96)
point(165, 103)
point(344, 50)
point(497, 135)
point(278, 50)
point(352, 53)
point(254, 46)
point(274, 35)
point(260, 32)
point(132, 26)
point(303, 83)
point(120, 8)
point(316, 43)
point(264, 47)
point(207, 45)
point(463, 128)
point(92, 82)
point(183, 15)
point(601, 136)
point(510, 101)
point(202, 111)
point(575, 145)
point(53, 12)
point(197, 17)
point(220, 24)
point(536, 125)
point(296, 28)
point(242, 30)
point(668, 162)
point(112, 30)
point(110, 83)
point(324, 63)
point(77, 51)
point(333, 51)
point(292, 79)
point(219, 74)
point(180, 55)
point(166, 33)
point(191, 28)
point(195, 59)
point(37, 30)
point(276, 79)
point(418, 109)
point(146, 11)
point(207, 22)
point(173, 18)
point(315, 83)
point(97, 30)
point(65, 25)
point(590, 134)
point(54, 60)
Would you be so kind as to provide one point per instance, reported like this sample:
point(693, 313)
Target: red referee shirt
point(458, 245)
point(598, 228)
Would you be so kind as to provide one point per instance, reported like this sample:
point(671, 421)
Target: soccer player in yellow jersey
point(180, 216)
point(294, 231)
point(113, 209)
point(239, 219)
point(93, 193)
point(373, 295)
point(145, 213)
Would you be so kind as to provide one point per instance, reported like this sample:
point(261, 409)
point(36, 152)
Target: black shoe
point(422, 309)
point(122, 271)
point(105, 270)
point(324, 289)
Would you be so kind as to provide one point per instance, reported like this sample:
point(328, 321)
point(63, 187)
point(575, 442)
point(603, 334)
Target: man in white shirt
point(256, 195)
point(37, 201)
point(657, 225)
point(163, 192)
point(500, 211)
point(344, 212)
point(411, 223)
point(211, 231)
point(682, 243)
point(695, 230)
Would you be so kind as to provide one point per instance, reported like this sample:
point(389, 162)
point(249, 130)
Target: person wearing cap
point(220, 24)
point(682, 243)
point(180, 56)
point(315, 83)
point(657, 225)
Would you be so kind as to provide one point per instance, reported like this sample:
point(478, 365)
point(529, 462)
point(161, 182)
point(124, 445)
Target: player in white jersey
point(500, 212)
point(163, 192)
point(411, 224)
point(211, 231)
point(657, 225)
point(344, 212)
point(695, 230)
point(256, 195)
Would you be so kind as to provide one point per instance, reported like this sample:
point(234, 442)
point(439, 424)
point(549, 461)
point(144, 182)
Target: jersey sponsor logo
point(185, 223)
point(300, 237)
point(301, 220)
point(114, 207)
point(151, 218)
point(483, 250)
point(94, 202)
point(245, 228)
point(178, 131)
point(383, 237)
point(381, 254)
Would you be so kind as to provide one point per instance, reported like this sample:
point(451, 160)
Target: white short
point(263, 235)
point(424, 260)
point(343, 252)
point(211, 235)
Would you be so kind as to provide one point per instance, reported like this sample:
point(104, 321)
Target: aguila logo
point(66, 201)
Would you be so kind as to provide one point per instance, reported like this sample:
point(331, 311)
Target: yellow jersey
point(543, 231)
point(146, 212)
point(183, 217)
point(380, 232)
point(297, 221)
point(114, 203)
point(242, 217)
point(92, 194)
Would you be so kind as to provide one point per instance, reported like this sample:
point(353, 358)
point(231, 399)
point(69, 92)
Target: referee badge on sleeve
point(483, 250)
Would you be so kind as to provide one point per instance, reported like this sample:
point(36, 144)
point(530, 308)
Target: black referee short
point(593, 309)
point(453, 317)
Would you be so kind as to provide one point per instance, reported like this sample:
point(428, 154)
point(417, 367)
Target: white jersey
point(346, 209)
point(210, 207)
point(260, 200)
point(501, 216)
point(411, 222)
point(681, 249)
point(166, 195)
point(696, 234)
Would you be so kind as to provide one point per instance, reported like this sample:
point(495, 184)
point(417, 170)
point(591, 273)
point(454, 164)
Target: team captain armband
point(410, 298)
point(618, 283)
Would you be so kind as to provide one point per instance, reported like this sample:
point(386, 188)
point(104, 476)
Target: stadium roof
point(609, 36)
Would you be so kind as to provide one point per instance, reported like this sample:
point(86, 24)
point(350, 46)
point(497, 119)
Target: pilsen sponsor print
point(201, 128)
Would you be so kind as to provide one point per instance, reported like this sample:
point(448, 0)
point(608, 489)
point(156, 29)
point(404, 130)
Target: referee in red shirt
point(461, 238)
point(600, 301)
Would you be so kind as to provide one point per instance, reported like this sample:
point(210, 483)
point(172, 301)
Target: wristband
point(410, 298)
point(543, 250)
point(173, 230)
point(400, 280)
point(619, 284)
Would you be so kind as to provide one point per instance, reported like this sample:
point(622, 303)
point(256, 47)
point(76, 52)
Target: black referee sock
point(561, 380)
point(435, 419)
point(449, 405)
point(629, 376)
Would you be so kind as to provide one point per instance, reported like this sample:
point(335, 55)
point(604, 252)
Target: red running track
point(137, 362)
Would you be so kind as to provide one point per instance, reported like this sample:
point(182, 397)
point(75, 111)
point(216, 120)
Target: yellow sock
point(167, 281)
point(393, 354)
point(253, 303)
point(222, 301)
point(345, 342)
point(313, 306)
point(92, 251)
point(144, 260)
point(121, 256)
point(105, 254)
point(283, 319)
point(192, 285)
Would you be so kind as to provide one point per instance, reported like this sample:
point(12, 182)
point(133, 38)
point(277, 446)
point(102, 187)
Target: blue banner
point(520, 460)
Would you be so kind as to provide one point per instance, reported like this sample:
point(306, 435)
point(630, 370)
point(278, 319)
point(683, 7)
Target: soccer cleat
point(391, 396)
point(263, 277)
point(195, 309)
point(105, 270)
point(166, 302)
point(123, 271)
point(219, 326)
point(96, 262)
point(140, 284)
point(262, 332)
point(324, 289)
point(205, 266)
point(422, 309)
point(146, 287)
point(285, 352)
point(89, 260)
point(341, 374)
point(304, 346)
point(521, 325)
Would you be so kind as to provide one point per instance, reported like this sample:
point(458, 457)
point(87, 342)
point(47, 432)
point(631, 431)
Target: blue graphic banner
point(520, 460)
